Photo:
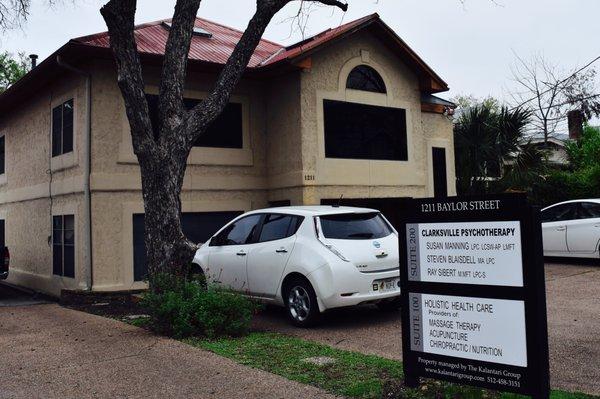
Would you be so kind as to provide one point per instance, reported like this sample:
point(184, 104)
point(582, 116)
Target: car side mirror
point(215, 242)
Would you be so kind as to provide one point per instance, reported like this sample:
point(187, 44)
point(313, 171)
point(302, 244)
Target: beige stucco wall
point(326, 79)
point(216, 179)
point(31, 174)
point(282, 159)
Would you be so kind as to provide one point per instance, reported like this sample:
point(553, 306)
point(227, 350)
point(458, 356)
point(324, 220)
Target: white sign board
point(470, 328)
point(483, 253)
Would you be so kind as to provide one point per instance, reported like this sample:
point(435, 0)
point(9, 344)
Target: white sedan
point(572, 228)
point(307, 258)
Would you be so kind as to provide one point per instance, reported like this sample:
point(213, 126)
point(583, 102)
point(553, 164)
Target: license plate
point(386, 285)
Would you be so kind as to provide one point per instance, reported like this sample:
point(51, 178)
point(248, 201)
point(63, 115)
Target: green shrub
point(183, 308)
point(563, 185)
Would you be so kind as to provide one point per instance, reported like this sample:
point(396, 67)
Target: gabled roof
point(215, 50)
point(151, 38)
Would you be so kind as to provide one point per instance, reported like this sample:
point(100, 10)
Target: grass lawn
point(352, 374)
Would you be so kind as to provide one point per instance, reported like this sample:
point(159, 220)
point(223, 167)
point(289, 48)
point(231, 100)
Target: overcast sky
point(469, 45)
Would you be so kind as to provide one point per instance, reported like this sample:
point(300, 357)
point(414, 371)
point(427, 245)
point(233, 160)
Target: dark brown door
point(440, 182)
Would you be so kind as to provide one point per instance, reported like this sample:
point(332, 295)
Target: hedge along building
point(347, 112)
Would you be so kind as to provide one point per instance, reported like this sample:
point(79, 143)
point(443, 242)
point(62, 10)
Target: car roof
point(314, 210)
point(595, 200)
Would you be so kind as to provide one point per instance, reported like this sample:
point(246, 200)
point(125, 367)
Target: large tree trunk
point(167, 248)
point(163, 157)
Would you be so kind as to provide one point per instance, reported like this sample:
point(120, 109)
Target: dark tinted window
point(276, 227)
point(240, 232)
point(63, 245)
point(589, 210)
point(559, 213)
point(224, 132)
point(2, 154)
point(62, 128)
point(355, 226)
point(365, 78)
point(359, 131)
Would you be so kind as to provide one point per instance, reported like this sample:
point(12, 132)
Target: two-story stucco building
point(347, 112)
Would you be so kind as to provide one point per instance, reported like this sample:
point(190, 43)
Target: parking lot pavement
point(11, 296)
point(573, 303)
point(48, 351)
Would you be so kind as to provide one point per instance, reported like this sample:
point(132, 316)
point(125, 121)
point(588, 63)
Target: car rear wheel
point(301, 303)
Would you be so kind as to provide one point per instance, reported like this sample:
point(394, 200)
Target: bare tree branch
point(174, 67)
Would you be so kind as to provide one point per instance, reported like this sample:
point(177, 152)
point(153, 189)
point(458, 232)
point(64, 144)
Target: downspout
point(87, 198)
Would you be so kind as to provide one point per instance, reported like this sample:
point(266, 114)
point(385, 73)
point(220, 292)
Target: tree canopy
point(12, 68)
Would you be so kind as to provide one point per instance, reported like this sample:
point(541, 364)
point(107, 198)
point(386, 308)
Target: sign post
point(473, 294)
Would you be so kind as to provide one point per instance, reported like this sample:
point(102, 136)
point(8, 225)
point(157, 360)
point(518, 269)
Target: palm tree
point(486, 140)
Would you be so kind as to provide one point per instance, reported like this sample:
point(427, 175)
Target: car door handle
point(281, 251)
point(561, 228)
point(241, 253)
point(381, 255)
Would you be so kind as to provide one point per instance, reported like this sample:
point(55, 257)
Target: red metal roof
point(152, 38)
point(315, 41)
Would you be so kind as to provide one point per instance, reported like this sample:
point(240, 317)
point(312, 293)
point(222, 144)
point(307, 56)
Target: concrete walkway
point(52, 352)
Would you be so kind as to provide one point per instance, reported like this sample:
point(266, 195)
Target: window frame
point(214, 241)
point(404, 150)
point(380, 81)
point(292, 228)
point(62, 128)
point(574, 208)
point(378, 214)
point(580, 210)
point(62, 230)
point(193, 101)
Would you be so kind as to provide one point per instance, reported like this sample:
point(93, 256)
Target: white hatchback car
point(307, 258)
point(572, 228)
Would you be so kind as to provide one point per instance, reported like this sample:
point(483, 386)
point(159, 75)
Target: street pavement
point(573, 306)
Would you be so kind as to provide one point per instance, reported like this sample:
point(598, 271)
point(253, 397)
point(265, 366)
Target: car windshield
point(355, 226)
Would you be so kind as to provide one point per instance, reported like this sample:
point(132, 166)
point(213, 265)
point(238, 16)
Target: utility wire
point(558, 83)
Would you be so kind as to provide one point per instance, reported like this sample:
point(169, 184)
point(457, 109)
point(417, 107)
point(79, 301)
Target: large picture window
point(63, 245)
point(62, 128)
point(225, 132)
point(360, 131)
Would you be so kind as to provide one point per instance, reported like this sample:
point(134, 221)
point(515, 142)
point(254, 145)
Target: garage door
point(197, 226)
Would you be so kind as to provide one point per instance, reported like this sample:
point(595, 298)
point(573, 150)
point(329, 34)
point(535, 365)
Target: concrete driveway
point(11, 296)
point(47, 351)
point(573, 303)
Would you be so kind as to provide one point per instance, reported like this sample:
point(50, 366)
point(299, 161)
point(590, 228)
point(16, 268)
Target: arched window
point(365, 78)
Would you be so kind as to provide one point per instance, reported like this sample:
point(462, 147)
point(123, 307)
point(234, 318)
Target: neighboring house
point(555, 147)
point(347, 112)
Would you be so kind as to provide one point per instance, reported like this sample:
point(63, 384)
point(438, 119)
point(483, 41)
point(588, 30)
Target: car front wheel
point(301, 303)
